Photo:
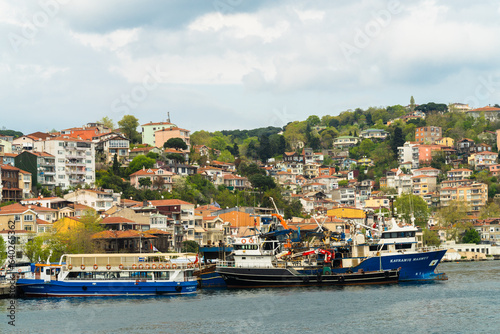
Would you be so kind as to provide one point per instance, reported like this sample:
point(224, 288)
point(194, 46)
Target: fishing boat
point(112, 275)
point(258, 263)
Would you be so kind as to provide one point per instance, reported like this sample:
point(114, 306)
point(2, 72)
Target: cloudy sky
point(239, 64)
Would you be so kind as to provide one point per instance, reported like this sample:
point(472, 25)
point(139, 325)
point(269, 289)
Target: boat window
point(403, 246)
point(162, 275)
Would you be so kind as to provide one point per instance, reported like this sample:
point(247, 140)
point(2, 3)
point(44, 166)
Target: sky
point(239, 64)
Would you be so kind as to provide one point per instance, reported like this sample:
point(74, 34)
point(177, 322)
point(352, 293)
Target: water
point(467, 303)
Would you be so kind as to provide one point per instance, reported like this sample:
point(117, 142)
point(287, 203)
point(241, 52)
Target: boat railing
point(140, 279)
point(274, 264)
point(144, 266)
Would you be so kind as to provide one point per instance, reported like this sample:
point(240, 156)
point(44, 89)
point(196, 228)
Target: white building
point(409, 153)
point(74, 160)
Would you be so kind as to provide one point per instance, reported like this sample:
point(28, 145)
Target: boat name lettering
point(410, 260)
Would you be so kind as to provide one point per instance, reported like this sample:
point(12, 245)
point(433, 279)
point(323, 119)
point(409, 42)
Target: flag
point(196, 261)
point(151, 246)
point(155, 249)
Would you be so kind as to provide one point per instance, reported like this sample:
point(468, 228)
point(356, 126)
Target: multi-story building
point(490, 231)
point(163, 135)
point(399, 181)
point(344, 195)
point(459, 174)
point(423, 184)
point(311, 170)
point(482, 160)
point(12, 183)
point(428, 134)
point(74, 160)
point(446, 141)
point(108, 145)
point(232, 182)
point(475, 195)
point(426, 152)
point(97, 200)
point(160, 179)
point(409, 153)
point(494, 169)
point(374, 134)
point(426, 171)
point(149, 129)
point(345, 141)
point(491, 114)
point(42, 167)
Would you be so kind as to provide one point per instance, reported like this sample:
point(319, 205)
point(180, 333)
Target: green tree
point(145, 182)
point(218, 143)
point(471, 236)
point(115, 168)
point(489, 211)
point(225, 156)
point(128, 125)
point(408, 205)
point(35, 250)
point(139, 162)
point(3, 251)
point(431, 238)
point(190, 246)
point(313, 120)
point(107, 122)
point(176, 143)
point(452, 218)
point(412, 103)
point(262, 182)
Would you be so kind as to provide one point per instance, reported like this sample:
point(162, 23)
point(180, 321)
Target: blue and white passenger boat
point(113, 275)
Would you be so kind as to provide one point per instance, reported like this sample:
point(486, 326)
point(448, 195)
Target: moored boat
point(112, 275)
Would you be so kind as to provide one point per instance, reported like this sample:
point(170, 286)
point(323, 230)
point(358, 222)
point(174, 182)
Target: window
point(28, 218)
point(17, 218)
point(27, 227)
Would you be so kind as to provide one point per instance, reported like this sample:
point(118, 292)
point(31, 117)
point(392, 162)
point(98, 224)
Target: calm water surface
point(468, 302)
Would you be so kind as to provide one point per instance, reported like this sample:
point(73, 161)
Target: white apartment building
point(74, 160)
point(409, 153)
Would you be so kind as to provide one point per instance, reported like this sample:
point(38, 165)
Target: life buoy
point(82, 267)
point(96, 266)
point(108, 266)
point(250, 240)
point(174, 266)
point(160, 266)
point(141, 266)
point(70, 266)
point(167, 266)
point(120, 266)
point(153, 266)
point(19, 270)
point(147, 266)
point(243, 241)
point(134, 266)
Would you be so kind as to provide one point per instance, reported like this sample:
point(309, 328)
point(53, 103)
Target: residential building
point(426, 152)
point(459, 107)
point(143, 151)
point(108, 145)
point(160, 179)
point(311, 170)
point(373, 134)
point(459, 174)
point(494, 169)
point(398, 180)
point(235, 182)
point(345, 141)
point(428, 134)
point(483, 159)
point(11, 183)
point(292, 157)
point(74, 160)
point(163, 135)
point(42, 167)
point(426, 171)
point(97, 200)
point(490, 231)
point(409, 152)
point(475, 195)
point(149, 129)
point(465, 147)
point(446, 141)
point(423, 184)
point(27, 142)
point(491, 114)
point(344, 195)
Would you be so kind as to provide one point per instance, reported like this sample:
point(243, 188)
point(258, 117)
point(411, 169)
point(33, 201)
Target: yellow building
point(446, 141)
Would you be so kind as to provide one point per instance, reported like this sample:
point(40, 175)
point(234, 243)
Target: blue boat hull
point(414, 267)
point(212, 280)
point(39, 288)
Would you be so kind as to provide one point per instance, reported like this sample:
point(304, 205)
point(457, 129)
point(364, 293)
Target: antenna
point(168, 116)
